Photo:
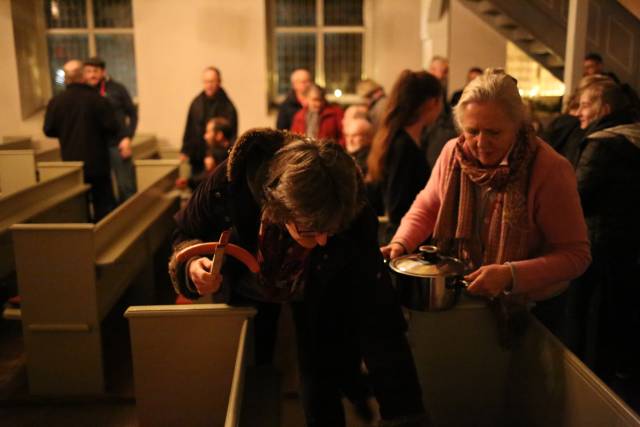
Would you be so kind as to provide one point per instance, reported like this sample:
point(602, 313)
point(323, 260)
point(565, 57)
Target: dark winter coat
point(406, 173)
point(126, 111)
point(608, 175)
point(84, 122)
point(289, 107)
point(201, 110)
point(347, 292)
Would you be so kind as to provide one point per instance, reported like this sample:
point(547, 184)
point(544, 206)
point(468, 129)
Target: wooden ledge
point(192, 310)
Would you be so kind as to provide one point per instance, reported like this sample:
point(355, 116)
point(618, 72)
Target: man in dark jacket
point(211, 102)
point(95, 75)
point(84, 122)
point(299, 205)
point(604, 301)
point(300, 81)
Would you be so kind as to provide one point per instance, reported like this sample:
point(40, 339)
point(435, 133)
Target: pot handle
point(459, 283)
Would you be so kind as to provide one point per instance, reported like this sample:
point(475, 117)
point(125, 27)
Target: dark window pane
point(292, 13)
point(342, 12)
point(293, 51)
point(117, 52)
point(63, 48)
point(112, 13)
point(65, 13)
point(342, 61)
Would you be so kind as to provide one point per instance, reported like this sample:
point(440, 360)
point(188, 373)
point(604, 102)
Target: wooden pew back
point(70, 275)
point(188, 363)
point(17, 170)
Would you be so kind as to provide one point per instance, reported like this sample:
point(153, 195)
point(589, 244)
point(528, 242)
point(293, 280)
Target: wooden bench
point(71, 275)
point(468, 379)
point(60, 196)
point(17, 170)
point(189, 363)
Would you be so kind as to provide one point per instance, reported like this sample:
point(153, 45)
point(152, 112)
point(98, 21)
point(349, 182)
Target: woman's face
point(489, 131)
point(589, 110)
point(307, 238)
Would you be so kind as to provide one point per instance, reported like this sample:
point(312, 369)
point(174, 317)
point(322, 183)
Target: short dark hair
point(220, 124)
point(313, 183)
point(314, 87)
point(214, 69)
point(476, 70)
point(593, 57)
point(95, 61)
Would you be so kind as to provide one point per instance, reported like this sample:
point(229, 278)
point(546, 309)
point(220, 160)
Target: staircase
point(538, 27)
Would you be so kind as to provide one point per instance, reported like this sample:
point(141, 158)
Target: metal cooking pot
point(428, 281)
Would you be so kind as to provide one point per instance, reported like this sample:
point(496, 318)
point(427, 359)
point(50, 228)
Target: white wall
point(175, 41)
point(473, 43)
point(11, 122)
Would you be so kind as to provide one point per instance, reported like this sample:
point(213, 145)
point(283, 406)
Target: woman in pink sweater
point(501, 200)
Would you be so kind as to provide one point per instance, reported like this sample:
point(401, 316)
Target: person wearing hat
point(95, 74)
point(376, 99)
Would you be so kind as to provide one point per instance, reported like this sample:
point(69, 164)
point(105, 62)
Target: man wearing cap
point(95, 75)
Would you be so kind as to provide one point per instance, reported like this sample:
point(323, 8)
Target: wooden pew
point(71, 275)
point(17, 170)
point(468, 379)
point(189, 363)
point(60, 196)
point(16, 143)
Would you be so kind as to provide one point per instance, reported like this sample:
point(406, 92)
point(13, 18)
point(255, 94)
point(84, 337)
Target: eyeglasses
point(305, 234)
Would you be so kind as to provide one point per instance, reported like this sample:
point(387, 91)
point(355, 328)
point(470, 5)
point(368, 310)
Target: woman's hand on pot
point(201, 278)
point(392, 250)
point(489, 280)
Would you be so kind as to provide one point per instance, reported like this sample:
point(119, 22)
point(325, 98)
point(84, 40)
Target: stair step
point(521, 35)
point(505, 22)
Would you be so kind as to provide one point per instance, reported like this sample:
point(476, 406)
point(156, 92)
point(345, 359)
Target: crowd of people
point(542, 224)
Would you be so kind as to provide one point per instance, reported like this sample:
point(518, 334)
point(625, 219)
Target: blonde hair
point(494, 85)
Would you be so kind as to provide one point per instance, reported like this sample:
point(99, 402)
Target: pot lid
point(427, 263)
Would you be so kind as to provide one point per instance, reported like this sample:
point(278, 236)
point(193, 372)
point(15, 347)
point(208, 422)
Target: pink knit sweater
point(558, 246)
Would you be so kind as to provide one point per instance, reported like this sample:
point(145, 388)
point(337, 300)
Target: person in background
point(211, 102)
point(318, 119)
point(295, 100)
point(505, 203)
point(376, 99)
point(85, 123)
point(95, 74)
point(594, 65)
point(298, 204)
point(218, 138)
point(442, 129)
point(358, 136)
point(471, 74)
point(604, 302)
point(396, 161)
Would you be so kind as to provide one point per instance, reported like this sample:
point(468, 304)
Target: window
point(327, 37)
point(78, 29)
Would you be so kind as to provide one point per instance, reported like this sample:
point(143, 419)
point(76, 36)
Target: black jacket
point(608, 176)
point(126, 112)
point(202, 109)
point(565, 136)
point(406, 173)
point(84, 122)
point(348, 289)
point(289, 107)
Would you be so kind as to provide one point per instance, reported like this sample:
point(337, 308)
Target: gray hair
point(497, 86)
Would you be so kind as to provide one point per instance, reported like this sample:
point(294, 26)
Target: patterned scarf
point(508, 221)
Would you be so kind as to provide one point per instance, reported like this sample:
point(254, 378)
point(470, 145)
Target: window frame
point(319, 30)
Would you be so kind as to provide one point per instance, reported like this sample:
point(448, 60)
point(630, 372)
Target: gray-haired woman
point(501, 200)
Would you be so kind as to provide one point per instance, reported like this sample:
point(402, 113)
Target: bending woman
point(501, 200)
point(299, 205)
